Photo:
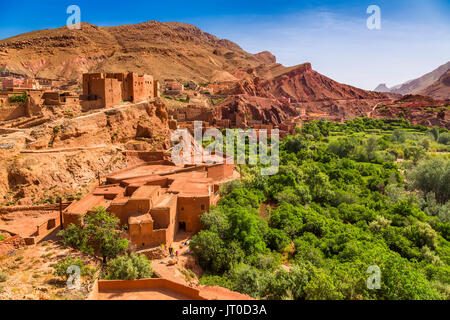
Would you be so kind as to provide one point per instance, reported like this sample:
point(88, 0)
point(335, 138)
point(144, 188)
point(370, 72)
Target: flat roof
point(87, 203)
point(140, 218)
point(145, 192)
point(165, 201)
point(146, 170)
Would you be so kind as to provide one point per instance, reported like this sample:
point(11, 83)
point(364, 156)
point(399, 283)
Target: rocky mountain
point(276, 99)
point(166, 50)
point(416, 85)
point(302, 84)
point(382, 88)
point(440, 89)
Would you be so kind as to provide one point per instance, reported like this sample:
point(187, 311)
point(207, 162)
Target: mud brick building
point(103, 90)
point(156, 199)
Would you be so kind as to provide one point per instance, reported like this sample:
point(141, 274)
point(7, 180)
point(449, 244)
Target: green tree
point(129, 267)
point(100, 234)
point(432, 176)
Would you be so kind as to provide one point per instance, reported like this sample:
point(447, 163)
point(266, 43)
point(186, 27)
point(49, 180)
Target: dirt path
point(177, 272)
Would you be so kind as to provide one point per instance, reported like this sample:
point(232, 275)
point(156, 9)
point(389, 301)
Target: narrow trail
point(373, 109)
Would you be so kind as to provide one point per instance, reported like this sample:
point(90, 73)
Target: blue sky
point(332, 35)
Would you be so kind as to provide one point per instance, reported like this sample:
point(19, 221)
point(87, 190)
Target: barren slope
point(166, 50)
point(440, 89)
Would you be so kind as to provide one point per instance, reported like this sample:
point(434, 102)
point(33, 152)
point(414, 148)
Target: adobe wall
point(190, 210)
point(113, 91)
point(145, 284)
point(146, 156)
point(167, 218)
point(14, 112)
point(142, 235)
point(220, 170)
point(70, 218)
point(87, 79)
point(87, 105)
point(132, 206)
point(143, 87)
point(51, 98)
point(46, 207)
point(46, 228)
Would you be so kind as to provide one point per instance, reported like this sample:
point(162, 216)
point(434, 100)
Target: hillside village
point(70, 146)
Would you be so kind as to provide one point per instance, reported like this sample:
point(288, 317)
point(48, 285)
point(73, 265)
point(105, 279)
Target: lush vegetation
point(347, 197)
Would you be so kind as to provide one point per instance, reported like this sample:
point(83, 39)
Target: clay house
point(29, 108)
point(10, 83)
point(193, 113)
point(219, 88)
point(192, 85)
point(53, 98)
point(104, 90)
point(173, 87)
point(156, 199)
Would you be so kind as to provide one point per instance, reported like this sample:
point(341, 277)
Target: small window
point(203, 207)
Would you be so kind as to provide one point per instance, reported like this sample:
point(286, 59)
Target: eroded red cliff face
point(299, 90)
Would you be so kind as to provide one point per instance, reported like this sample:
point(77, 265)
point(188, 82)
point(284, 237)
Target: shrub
point(16, 98)
point(432, 176)
point(444, 138)
point(3, 277)
point(62, 266)
point(100, 234)
point(129, 267)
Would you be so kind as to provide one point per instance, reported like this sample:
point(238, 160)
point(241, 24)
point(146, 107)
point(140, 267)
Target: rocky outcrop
point(440, 89)
point(266, 57)
point(165, 50)
point(417, 109)
point(303, 84)
point(65, 156)
point(421, 83)
point(245, 109)
point(382, 88)
point(278, 99)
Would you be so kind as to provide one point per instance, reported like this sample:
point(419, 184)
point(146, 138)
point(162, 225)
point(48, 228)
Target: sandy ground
point(165, 270)
point(29, 275)
point(186, 272)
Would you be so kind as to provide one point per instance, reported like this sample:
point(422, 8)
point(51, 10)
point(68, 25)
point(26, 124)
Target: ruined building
point(103, 90)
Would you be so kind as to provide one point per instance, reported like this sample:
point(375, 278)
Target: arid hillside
point(415, 86)
point(278, 98)
point(63, 156)
point(166, 50)
point(440, 89)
